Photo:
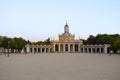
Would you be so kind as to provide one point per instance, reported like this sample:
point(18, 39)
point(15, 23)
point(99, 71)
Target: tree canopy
point(113, 40)
point(19, 43)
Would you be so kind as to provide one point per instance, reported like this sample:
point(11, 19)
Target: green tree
point(20, 43)
point(47, 41)
point(115, 44)
point(29, 42)
point(40, 43)
point(113, 40)
point(13, 44)
point(1, 42)
point(6, 42)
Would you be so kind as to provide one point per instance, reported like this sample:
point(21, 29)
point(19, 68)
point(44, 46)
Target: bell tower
point(66, 28)
point(66, 36)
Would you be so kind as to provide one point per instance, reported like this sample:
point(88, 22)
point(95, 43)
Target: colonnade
point(38, 49)
point(66, 48)
point(92, 50)
point(95, 48)
point(81, 48)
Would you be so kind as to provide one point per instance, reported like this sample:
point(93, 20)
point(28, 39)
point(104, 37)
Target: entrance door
point(66, 48)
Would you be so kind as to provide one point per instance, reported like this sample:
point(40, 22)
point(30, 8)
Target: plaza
point(63, 66)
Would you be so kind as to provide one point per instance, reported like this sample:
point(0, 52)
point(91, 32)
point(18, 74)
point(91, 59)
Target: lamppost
point(8, 47)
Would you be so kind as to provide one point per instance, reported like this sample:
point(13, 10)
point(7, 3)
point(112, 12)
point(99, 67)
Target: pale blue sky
point(38, 19)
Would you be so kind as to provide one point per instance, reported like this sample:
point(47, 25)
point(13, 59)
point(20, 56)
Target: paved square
point(60, 66)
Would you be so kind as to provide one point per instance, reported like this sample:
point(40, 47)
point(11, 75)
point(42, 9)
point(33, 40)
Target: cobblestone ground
point(60, 66)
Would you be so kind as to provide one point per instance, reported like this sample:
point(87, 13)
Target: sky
point(36, 20)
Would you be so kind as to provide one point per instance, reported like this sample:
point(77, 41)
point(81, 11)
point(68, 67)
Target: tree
point(1, 42)
point(13, 44)
point(47, 41)
point(5, 42)
point(40, 43)
point(113, 40)
point(28, 42)
point(20, 43)
point(115, 46)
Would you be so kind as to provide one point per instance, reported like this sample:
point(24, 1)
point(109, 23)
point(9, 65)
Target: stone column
point(33, 50)
point(40, 50)
point(91, 50)
point(79, 48)
point(48, 50)
point(87, 50)
point(105, 49)
point(68, 47)
point(54, 48)
point(63, 47)
point(95, 50)
point(45, 50)
point(36, 50)
point(27, 49)
point(59, 48)
point(99, 50)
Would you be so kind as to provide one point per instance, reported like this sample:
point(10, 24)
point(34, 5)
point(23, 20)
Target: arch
point(85, 50)
point(56, 48)
point(98, 50)
point(108, 49)
point(89, 50)
point(76, 47)
point(39, 50)
point(102, 50)
point(31, 50)
point(43, 50)
point(35, 50)
point(93, 49)
point(47, 50)
point(66, 47)
point(81, 49)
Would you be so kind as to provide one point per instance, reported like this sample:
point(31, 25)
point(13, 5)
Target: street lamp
point(8, 48)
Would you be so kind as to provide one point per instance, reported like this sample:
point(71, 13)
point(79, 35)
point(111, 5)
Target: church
point(67, 43)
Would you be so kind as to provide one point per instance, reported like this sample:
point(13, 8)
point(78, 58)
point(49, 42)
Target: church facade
point(67, 43)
